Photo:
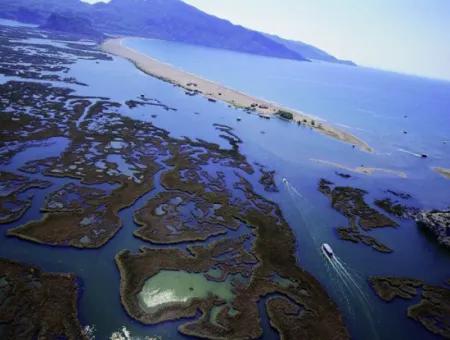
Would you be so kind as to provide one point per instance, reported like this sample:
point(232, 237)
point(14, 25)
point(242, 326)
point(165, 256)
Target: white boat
point(326, 249)
point(284, 180)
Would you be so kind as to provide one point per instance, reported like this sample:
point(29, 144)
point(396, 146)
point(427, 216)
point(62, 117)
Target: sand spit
point(216, 92)
point(361, 169)
point(442, 171)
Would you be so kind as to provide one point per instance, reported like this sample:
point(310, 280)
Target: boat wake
point(350, 284)
point(347, 282)
point(301, 206)
point(419, 155)
point(291, 188)
point(350, 280)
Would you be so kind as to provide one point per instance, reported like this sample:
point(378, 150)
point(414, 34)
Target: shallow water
point(168, 287)
point(357, 97)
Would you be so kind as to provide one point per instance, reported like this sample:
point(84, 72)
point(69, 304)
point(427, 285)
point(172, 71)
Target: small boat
point(284, 180)
point(326, 249)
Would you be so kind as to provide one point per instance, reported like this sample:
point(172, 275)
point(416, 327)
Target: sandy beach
point(216, 92)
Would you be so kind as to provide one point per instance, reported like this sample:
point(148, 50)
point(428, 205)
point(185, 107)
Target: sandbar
point(442, 171)
point(217, 92)
point(361, 169)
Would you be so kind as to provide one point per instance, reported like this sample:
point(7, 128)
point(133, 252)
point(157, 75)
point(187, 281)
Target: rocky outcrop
point(438, 222)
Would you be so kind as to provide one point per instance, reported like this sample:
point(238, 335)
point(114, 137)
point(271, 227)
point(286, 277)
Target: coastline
point(217, 92)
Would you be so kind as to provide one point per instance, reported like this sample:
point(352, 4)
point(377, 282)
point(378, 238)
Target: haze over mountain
point(72, 24)
point(163, 19)
point(308, 50)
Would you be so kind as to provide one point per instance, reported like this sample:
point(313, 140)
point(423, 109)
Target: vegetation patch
point(285, 114)
point(362, 218)
point(433, 308)
point(36, 304)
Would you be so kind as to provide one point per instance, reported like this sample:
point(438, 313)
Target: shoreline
point(217, 92)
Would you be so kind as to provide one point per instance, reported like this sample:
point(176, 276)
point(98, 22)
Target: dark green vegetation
point(402, 195)
point(433, 308)
point(197, 205)
point(437, 222)
point(267, 179)
point(11, 185)
point(343, 175)
point(285, 114)
point(362, 218)
point(396, 208)
point(101, 135)
point(389, 206)
point(174, 217)
point(36, 304)
point(226, 132)
point(205, 196)
point(169, 20)
point(144, 101)
point(264, 252)
point(39, 62)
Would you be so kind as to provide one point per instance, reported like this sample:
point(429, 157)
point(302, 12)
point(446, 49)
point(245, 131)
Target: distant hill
point(308, 51)
point(162, 19)
point(72, 24)
point(177, 21)
point(38, 11)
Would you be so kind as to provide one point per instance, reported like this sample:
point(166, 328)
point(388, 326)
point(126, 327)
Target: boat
point(326, 249)
point(284, 180)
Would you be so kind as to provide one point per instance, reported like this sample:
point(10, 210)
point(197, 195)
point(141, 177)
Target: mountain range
point(308, 51)
point(171, 20)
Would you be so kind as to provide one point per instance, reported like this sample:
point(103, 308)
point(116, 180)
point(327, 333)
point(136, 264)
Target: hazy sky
point(411, 36)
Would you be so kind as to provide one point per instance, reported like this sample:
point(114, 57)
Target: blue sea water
point(369, 103)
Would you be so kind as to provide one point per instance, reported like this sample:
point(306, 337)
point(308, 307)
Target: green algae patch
point(214, 273)
point(216, 310)
point(283, 282)
point(179, 287)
